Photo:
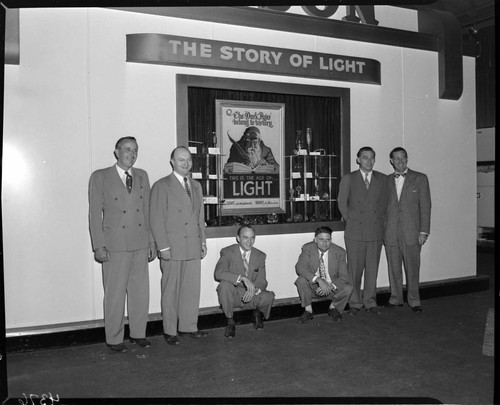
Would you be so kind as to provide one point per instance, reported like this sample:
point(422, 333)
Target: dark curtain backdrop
point(321, 114)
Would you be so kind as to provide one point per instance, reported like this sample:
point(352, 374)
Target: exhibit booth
point(318, 82)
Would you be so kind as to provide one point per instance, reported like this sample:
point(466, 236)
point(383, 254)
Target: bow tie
point(399, 174)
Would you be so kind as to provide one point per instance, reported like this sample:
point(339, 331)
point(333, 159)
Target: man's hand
point(164, 255)
point(324, 288)
point(203, 250)
point(422, 238)
point(151, 252)
point(102, 255)
point(251, 289)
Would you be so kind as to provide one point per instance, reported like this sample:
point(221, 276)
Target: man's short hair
point(398, 149)
point(243, 227)
point(323, 229)
point(365, 149)
point(120, 141)
point(177, 148)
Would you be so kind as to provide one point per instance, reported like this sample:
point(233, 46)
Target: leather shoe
point(196, 335)
point(171, 339)
point(119, 348)
point(335, 314)
point(417, 308)
point(230, 330)
point(389, 305)
point(306, 316)
point(140, 342)
point(354, 311)
point(257, 319)
point(373, 310)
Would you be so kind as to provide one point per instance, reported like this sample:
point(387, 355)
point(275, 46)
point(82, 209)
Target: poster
point(251, 136)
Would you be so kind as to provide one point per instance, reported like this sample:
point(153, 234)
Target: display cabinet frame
point(184, 82)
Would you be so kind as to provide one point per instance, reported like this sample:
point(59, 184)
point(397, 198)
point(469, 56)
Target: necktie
point(367, 183)
point(245, 262)
point(186, 186)
point(322, 269)
point(128, 182)
point(399, 174)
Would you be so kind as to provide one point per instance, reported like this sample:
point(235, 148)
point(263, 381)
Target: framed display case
point(312, 150)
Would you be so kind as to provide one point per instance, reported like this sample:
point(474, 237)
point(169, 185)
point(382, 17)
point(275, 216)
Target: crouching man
point(241, 272)
point(322, 271)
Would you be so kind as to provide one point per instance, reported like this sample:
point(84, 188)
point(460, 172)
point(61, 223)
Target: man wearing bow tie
point(241, 272)
point(407, 228)
point(122, 242)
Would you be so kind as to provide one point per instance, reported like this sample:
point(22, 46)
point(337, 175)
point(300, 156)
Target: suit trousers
point(126, 277)
point(230, 297)
point(180, 295)
point(307, 291)
point(410, 256)
point(363, 256)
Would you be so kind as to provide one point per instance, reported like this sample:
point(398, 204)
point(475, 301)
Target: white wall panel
point(46, 249)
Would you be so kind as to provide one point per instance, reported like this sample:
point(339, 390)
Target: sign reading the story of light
point(203, 53)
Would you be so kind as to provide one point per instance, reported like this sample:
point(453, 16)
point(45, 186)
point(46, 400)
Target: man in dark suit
point(122, 242)
point(362, 201)
point(407, 228)
point(322, 271)
point(241, 272)
point(178, 226)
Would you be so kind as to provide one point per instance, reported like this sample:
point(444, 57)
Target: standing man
point(407, 228)
point(178, 226)
point(122, 242)
point(362, 202)
point(322, 270)
point(241, 271)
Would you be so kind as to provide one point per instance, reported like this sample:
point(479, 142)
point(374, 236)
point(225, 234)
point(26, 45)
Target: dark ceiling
point(470, 13)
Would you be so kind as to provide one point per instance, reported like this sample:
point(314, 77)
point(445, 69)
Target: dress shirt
point(181, 179)
point(399, 183)
point(248, 253)
point(122, 174)
point(369, 176)
point(327, 273)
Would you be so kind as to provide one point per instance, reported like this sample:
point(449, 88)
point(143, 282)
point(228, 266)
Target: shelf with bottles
point(312, 187)
point(310, 177)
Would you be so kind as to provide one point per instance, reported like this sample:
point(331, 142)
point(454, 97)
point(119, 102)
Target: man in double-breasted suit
point(322, 271)
point(122, 242)
point(178, 226)
point(241, 272)
point(362, 201)
point(407, 228)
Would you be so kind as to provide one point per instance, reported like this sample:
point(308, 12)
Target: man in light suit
point(407, 228)
point(241, 272)
point(322, 271)
point(122, 242)
point(362, 200)
point(178, 225)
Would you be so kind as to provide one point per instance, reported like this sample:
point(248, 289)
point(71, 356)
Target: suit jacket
point(177, 221)
point(363, 210)
point(118, 220)
point(413, 210)
point(308, 263)
point(230, 266)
